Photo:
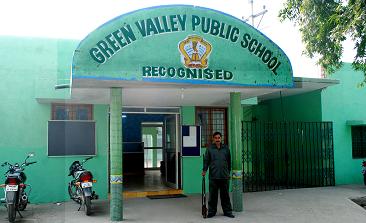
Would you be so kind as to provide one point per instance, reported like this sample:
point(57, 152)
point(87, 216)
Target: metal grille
point(281, 155)
point(211, 120)
point(358, 141)
point(72, 111)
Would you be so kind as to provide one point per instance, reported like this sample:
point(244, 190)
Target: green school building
point(144, 92)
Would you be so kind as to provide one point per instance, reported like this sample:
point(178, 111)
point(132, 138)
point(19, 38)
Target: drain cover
point(360, 201)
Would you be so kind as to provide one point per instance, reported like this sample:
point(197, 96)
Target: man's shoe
point(210, 215)
point(230, 215)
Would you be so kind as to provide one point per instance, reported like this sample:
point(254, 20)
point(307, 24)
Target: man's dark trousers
point(217, 185)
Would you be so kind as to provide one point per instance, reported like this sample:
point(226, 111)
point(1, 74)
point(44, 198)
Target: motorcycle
point(364, 171)
point(80, 187)
point(16, 198)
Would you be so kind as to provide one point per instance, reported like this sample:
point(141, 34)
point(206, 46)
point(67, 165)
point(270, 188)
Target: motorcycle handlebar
point(31, 163)
point(82, 162)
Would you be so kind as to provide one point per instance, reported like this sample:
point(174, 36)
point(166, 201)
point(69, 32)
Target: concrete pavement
point(315, 205)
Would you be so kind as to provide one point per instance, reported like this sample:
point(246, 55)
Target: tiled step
point(136, 194)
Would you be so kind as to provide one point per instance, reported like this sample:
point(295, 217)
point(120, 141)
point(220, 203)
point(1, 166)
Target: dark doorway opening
point(150, 152)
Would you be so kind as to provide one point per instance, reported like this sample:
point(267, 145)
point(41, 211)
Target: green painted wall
point(247, 113)
point(343, 102)
point(191, 166)
point(30, 68)
point(259, 112)
point(303, 107)
point(42, 63)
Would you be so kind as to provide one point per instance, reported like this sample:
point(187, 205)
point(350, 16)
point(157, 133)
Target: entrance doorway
point(151, 151)
point(152, 138)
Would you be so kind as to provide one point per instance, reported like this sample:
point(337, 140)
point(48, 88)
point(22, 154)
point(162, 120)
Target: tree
point(325, 24)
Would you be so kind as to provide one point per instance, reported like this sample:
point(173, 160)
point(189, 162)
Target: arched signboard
point(181, 44)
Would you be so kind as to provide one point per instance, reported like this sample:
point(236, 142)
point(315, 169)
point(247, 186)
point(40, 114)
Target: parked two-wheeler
point(364, 172)
point(16, 197)
point(80, 187)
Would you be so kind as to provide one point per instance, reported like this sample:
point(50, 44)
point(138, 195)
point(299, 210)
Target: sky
point(75, 19)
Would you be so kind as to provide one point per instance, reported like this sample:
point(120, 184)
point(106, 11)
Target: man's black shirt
point(219, 162)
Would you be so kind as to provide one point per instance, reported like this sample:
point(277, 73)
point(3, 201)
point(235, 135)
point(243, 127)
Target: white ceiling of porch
point(167, 95)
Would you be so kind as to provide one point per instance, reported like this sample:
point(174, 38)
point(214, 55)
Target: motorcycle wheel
point(72, 192)
point(364, 179)
point(11, 212)
point(69, 190)
point(87, 205)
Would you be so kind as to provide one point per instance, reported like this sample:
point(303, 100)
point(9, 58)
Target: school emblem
point(194, 52)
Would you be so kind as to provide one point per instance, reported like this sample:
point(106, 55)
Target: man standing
point(218, 159)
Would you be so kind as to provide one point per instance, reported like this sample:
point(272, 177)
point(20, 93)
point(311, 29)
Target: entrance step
point(136, 194)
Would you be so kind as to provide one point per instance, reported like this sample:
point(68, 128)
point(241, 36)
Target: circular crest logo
point(194, 52)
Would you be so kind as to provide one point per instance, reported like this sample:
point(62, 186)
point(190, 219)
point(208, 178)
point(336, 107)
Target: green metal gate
point(281, 155)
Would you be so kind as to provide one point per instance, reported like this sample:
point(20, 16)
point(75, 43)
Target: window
point(71, 130)
point(72, 112)
point(211, 120)
point(71, 137)
point(359, 141)
point(148, 140)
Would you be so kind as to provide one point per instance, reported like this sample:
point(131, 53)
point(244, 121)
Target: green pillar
point(116, 201)
point(155, 158)
point(236, 151)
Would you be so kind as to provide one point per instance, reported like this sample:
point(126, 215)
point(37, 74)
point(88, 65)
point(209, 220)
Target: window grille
point(359, 141)
point(211, 120)
point(72, 112)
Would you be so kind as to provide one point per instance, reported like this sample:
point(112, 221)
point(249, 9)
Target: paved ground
point(312, 205)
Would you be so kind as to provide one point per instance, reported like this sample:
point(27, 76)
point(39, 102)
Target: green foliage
point(325, 24)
